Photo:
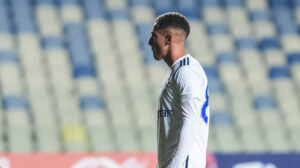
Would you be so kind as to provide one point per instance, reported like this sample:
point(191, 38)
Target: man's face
point(157, 43)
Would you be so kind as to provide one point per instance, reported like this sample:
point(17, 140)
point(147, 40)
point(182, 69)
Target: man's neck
point(171, 58)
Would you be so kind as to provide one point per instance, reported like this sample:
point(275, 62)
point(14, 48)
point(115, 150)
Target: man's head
point(169, 29)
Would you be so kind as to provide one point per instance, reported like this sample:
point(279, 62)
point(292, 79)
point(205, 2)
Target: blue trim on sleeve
point(187, 162)
point(205, 105)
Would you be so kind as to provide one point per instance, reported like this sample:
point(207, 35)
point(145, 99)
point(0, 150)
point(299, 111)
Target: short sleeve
point(190, 84)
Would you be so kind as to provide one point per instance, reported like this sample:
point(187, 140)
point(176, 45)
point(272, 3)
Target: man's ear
point(168, 39)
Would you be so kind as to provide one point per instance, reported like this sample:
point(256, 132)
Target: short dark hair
point(173, 20)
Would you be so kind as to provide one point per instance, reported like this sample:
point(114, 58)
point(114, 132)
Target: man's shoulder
point(189, 74)
point(189, 66)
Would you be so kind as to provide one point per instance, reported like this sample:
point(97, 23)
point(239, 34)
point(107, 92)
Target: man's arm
point(190, 86)
point(190, 112)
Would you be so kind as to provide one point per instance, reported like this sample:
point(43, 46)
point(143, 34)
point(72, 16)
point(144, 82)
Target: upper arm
point(190, 84)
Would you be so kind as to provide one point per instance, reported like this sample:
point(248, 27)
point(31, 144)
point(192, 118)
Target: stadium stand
point(78, 75)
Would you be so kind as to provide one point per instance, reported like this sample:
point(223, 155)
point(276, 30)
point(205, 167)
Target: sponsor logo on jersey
point(164, 113)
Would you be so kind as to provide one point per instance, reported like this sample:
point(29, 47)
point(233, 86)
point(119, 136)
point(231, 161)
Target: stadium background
point(78, 76)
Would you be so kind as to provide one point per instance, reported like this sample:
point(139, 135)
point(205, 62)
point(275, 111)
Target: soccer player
point(183, 115)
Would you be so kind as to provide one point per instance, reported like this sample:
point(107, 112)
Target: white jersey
point(183, 116)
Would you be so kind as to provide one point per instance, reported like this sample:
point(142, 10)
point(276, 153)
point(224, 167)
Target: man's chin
point(157, 58)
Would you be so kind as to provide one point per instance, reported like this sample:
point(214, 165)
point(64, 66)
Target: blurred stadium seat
point(78, 75)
